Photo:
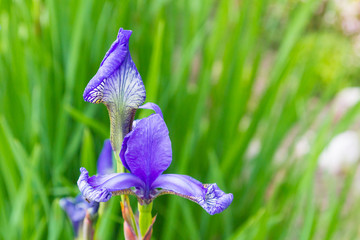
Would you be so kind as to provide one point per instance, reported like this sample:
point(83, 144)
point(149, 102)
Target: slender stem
point(102, 207)
point(88, 230)
point(130, 213)
point(145, 218)
point(119, 166)
point(124, 198)
point(118, 128)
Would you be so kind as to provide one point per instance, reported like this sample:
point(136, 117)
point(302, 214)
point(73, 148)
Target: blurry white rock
point(302, 147)
point(346, 99)
point(253, 149)
point(342, 152)
point(349, 11)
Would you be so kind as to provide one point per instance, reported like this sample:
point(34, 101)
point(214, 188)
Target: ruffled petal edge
point(209, 196)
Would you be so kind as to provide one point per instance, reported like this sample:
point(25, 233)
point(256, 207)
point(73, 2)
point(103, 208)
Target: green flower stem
point(116, 131)
point(124, 198)
point(119, 127)
point(119, 166)
point(102, 208)
point(145, 218)
point(130, 213)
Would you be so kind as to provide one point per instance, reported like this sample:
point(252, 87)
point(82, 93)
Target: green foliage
point(225, 73)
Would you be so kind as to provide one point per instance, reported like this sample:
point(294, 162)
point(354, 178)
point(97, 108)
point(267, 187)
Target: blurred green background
point(250, 94)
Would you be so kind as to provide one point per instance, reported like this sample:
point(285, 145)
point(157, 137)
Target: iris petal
point(76, 209)
point(146, 150)
point(105, 164)
point(117, 76)
point(119, 86)
point(208, 196)
point(99, 188)
point(154, 107)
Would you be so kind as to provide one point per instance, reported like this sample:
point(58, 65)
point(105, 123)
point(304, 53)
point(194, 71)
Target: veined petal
point(99, 188)
point(208, 196)
point(117, 80)
point(124, 87)
point(146, 150)
point(119, 86)
point(105, 163)
point(154, 107)
point(151, 106)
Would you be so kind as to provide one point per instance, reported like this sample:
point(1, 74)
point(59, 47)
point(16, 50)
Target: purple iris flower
point(119, 86)
point(146, 153)
point(76, 208)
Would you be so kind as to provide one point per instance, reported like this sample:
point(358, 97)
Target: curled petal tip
point(215, 200)
point(122, 40)
point(208, 196)
point(88, 191)
point(154, 107)
point(124, 35)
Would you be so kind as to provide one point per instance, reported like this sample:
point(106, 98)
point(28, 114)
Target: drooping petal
point(146, 150)
point(100, 188)
point(105, 163)
point(76, 209)
point(208, 196)
point(152, 106)
point(117, 78)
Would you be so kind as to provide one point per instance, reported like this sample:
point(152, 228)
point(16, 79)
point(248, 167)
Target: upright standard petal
point(101, 187)
point(208, 196)
point(105, 163)
point(119, 86)
point(146, 150)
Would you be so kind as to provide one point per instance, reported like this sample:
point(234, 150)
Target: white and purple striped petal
point(208, 196)
point(117, 80)
point(119, 86)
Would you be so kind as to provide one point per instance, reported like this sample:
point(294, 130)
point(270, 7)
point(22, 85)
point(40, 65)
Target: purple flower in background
point(118, 85)
point(77, 208)
point(105, 163)
point(146, 153)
